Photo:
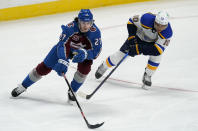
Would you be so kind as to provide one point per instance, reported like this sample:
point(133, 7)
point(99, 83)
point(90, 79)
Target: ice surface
point(170, 105)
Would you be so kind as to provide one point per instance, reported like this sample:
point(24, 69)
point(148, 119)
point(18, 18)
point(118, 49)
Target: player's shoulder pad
point(95, 32)
point(94, 28)
point(135, 18)
point(69, 27)
point(147, 20)
point(167, 33)
point(130, 21)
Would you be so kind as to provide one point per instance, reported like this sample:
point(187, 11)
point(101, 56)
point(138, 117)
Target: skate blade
point(145, 87)
point(72, 103)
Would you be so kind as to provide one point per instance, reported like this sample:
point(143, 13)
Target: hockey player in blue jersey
point(80, 42)
point(149, 34)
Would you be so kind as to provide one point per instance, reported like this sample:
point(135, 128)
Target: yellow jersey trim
point(131, 37)
point(161, 36)
point(158, 48)
point(136, 45)
point(146, 26)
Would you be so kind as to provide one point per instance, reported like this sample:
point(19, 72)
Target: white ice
point(170, 105)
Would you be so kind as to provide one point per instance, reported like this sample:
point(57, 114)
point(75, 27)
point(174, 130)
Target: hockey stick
point(86, 96)
point(88, 125)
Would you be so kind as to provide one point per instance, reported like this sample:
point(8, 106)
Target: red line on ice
point(140, 84)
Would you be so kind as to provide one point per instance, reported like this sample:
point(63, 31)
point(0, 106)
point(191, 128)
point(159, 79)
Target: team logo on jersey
point(92, 29)
point(162, 18)
point(75, 37)
point(77, 45)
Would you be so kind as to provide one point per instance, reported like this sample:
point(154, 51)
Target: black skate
point(71, 98)
point(146, 80)
point(18, 90)
point(100, 71)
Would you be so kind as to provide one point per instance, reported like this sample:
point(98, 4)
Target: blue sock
point(75, 85)
point(27, 82)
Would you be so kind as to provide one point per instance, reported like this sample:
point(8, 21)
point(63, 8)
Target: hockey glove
point(132, 40)
point(131, 48)
point(80, 55)
point(61, 67)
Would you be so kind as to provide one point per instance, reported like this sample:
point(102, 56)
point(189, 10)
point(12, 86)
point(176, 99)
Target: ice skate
point(100, 71)
point(146, 80)
point(71, 98)
point(18, 90)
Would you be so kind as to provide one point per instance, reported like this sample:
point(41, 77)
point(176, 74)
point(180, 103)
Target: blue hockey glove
point(79, 55)
point(61, 67)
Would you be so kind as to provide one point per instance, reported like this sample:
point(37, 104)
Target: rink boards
point(10, 10)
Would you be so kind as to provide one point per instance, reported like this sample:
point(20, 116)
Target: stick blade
point(88, 96)
point(95, 126)
point(82, 94)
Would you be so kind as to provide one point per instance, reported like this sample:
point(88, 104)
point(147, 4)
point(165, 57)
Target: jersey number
point(98, 41)
point(62, 37)
point(166, 43)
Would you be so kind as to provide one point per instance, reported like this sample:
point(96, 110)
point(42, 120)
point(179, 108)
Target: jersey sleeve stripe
point(161, 36)
point(144, 26)
point(159, 48)
point(130, 21)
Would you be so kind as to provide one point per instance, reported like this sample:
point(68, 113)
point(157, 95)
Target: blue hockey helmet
point(85, 15)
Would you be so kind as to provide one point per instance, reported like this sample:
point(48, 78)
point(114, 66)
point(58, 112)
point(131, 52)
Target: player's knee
point(42, 69)
point(85, 67)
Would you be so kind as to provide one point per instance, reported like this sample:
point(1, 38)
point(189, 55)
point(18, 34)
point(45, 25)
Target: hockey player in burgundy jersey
point(80, 42)
point(149, 34)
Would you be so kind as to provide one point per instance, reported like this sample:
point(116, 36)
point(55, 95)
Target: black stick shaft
point(89, 96)
point(81, 111)
point(75, 99)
